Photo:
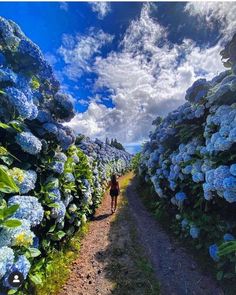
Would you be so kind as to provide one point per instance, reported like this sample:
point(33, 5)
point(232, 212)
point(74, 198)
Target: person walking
point(114, 192)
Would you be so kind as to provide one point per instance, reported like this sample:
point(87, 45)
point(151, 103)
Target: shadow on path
point(100, 217)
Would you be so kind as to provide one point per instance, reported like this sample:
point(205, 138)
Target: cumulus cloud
point(148, 77)
point(212, 12)
point(101, 8)
point(79, 51)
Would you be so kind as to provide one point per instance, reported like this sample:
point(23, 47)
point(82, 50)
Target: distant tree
point(107, 141)
point(117, 144)
point(157, 121)
point(79, 138)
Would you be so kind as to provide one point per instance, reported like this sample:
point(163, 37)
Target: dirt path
point(109, 259)
point(176, 270)
point(88, 272)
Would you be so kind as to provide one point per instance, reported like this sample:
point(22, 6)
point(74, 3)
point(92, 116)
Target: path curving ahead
point(176, 271)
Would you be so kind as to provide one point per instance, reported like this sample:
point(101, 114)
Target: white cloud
point(51, 58)
point(79, 51)
point(212, 12)
point(64, 6)
point(101, 8)
point(149, 77)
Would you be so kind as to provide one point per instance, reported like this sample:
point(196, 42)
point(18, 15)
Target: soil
point(176, 270)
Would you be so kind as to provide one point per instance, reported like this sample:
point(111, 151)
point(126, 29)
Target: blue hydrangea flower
point(194, 232)
point(180, 196)
point(29, 209)
point(207, 188)
point(210, 177)
point(22, 265)
point(50, 128)
point(213, 251)
point(60, 157)
point(44, 116)
point(68, 199)
point(232, 134)
point(75, 158)
point(230, 196)
point(220, 174)
point(198, 177)
point(184, 223)
point(28, 184)
point(6, 260)
point(228, 237)
point(233, 169)
point(55, 194)
point(17, 98)
point(17, 236)
point(65, 139)
point(187, 169)
point(7, 75)
point(229, 183)
point(69, 177)
point(29, 143)
point(59, 212)
point(57, 167)
point(32, 55)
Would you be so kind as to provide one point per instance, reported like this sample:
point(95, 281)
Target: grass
point(128, 267)
point(58, 270)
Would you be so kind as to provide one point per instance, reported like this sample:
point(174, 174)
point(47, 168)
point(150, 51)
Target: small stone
point(99, 271)
point(90, 282)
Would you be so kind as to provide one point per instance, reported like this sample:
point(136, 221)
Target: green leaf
point(36, 279)
point(219, 275)
point(12, 291)
point(12, 223)
point(38, 265)
point(57, 236)
point(4, 126)
point(227, 248)
point(53, 205)
point(17, 125)
point(3, 151)
point(7, 160)
point(10, 210)
point(52, 228)
point(33, 252)
point(7, 184)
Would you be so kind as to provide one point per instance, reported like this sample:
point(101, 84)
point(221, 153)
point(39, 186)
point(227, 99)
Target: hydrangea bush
point(50, 182)
point(190, 162)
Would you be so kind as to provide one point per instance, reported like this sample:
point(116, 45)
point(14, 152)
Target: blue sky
point(126, 63)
